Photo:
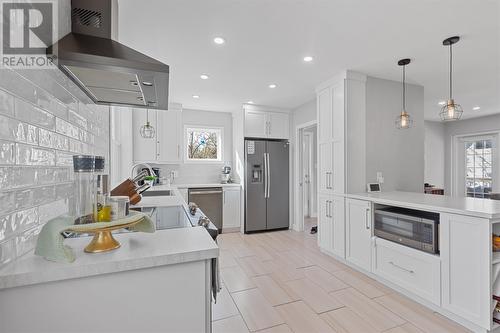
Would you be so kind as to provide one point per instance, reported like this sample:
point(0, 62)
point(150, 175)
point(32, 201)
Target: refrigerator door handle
point(268, 176)
point(265, 175)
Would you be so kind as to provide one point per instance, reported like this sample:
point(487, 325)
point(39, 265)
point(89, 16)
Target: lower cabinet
point(231, 208)
point(413, 270)
point(465, 245)
point(359, 233)
point(331, 225)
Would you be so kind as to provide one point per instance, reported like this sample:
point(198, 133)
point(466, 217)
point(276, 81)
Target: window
point(203, 144)
point(478, 167)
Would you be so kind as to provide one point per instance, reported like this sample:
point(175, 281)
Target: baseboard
point(229, 230)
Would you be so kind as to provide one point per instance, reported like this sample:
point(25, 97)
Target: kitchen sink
point(163, 193)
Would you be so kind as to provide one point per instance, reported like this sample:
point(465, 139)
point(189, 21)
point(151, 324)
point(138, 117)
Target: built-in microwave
point(413, 228)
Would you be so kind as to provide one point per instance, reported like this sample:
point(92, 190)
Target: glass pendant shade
point(451, 111)
point(147, 131)
point(404, 120)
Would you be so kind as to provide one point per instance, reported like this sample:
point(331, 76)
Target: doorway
point(306, 177)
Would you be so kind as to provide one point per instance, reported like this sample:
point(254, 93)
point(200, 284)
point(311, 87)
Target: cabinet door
point(256, 125)
point(144, 150)
point(338, 226)
point(358, 233)
point(324, 106)
point(338, 169)
point(325, 166)
point(169, 136)
point(338, 118)
point(465, 246)
point(325, 223)
point(278, 126)
point(231, 208)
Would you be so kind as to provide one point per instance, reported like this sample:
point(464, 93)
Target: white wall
point(434, 153)
point(465, 127)
point(314, 171)
point(398, 154)
point(204, 172)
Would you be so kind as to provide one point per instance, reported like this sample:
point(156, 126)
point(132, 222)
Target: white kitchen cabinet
point(184, 193)
point(279, 125)
point(231, 208)
point(413, 270)
point(338, 226)
point(465, 245)
point(326, 166)
point(325, 218)
point(359, 233)
point(325, 114)
point(266, 124)
point(256, 124)
point(165, 146)
point(331, 224)
point(169, 136)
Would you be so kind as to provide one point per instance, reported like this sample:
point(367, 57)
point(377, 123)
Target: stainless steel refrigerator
point(266, 185)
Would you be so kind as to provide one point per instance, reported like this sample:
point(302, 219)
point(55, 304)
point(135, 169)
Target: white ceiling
point(267, 40)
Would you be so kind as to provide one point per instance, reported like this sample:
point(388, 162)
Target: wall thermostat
point(373, 187)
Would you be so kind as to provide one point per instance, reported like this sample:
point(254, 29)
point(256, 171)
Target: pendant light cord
point(404, 88)
point(451, 71)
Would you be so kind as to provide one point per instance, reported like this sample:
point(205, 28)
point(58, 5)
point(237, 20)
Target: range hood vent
point(110, 73)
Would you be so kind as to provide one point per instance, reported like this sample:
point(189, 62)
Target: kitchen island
point(153, 282)
point(456, 280)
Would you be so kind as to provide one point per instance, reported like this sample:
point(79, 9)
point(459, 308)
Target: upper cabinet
point(266, 124)
point(165, 147)
point(341, 134)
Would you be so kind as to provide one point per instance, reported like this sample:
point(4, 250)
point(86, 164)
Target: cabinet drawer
point(416, 271)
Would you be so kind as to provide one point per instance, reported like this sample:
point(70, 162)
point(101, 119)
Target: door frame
point(298, 224)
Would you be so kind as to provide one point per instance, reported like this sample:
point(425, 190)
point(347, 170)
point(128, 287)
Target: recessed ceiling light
point(272, 86)
point(442, 103)
point(196, 96)
point(308, 59)
point(219, 40)
point(204, 76)
point(476, 108)
point(250, 102)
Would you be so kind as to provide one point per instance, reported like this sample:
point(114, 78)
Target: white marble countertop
point(137, 251)
point(483, 208)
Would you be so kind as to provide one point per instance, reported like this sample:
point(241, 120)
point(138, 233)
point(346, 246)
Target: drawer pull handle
point(402, 268)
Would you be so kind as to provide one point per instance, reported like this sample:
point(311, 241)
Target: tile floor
point(280, 282)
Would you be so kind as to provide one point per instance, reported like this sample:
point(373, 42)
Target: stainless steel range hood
point(110, 73)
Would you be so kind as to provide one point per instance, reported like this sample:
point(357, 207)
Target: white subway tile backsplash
point(7, 251)
point(44, 120)
point(5, 227)
point(7, 152)
point(53, 140)
point(6, 103)
point(23, 177)
point(26, 241)
point(31, 155)
point(29, 113)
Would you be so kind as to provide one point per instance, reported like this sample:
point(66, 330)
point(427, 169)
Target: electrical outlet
point(380, 177)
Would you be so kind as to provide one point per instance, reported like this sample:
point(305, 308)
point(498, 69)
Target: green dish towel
point(50, 243)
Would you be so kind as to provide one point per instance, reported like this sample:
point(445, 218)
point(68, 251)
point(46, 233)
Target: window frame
point(475, 139)
point(220, 151)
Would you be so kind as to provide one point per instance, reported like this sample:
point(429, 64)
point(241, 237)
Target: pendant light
point(451, 110)
point(403, 120)
point(147, 131)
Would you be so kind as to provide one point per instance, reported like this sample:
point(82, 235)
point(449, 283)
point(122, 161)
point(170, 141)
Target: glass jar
point(102, 211)
point(85, 189)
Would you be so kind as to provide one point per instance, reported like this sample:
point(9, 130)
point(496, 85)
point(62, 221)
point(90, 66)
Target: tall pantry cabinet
point(341, 154)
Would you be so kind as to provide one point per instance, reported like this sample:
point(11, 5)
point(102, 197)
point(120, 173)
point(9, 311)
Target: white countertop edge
point(401, 202)
point(201, 185)
point(31, 269)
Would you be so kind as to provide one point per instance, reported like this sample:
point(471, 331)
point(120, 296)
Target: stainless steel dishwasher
point(209, 200)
